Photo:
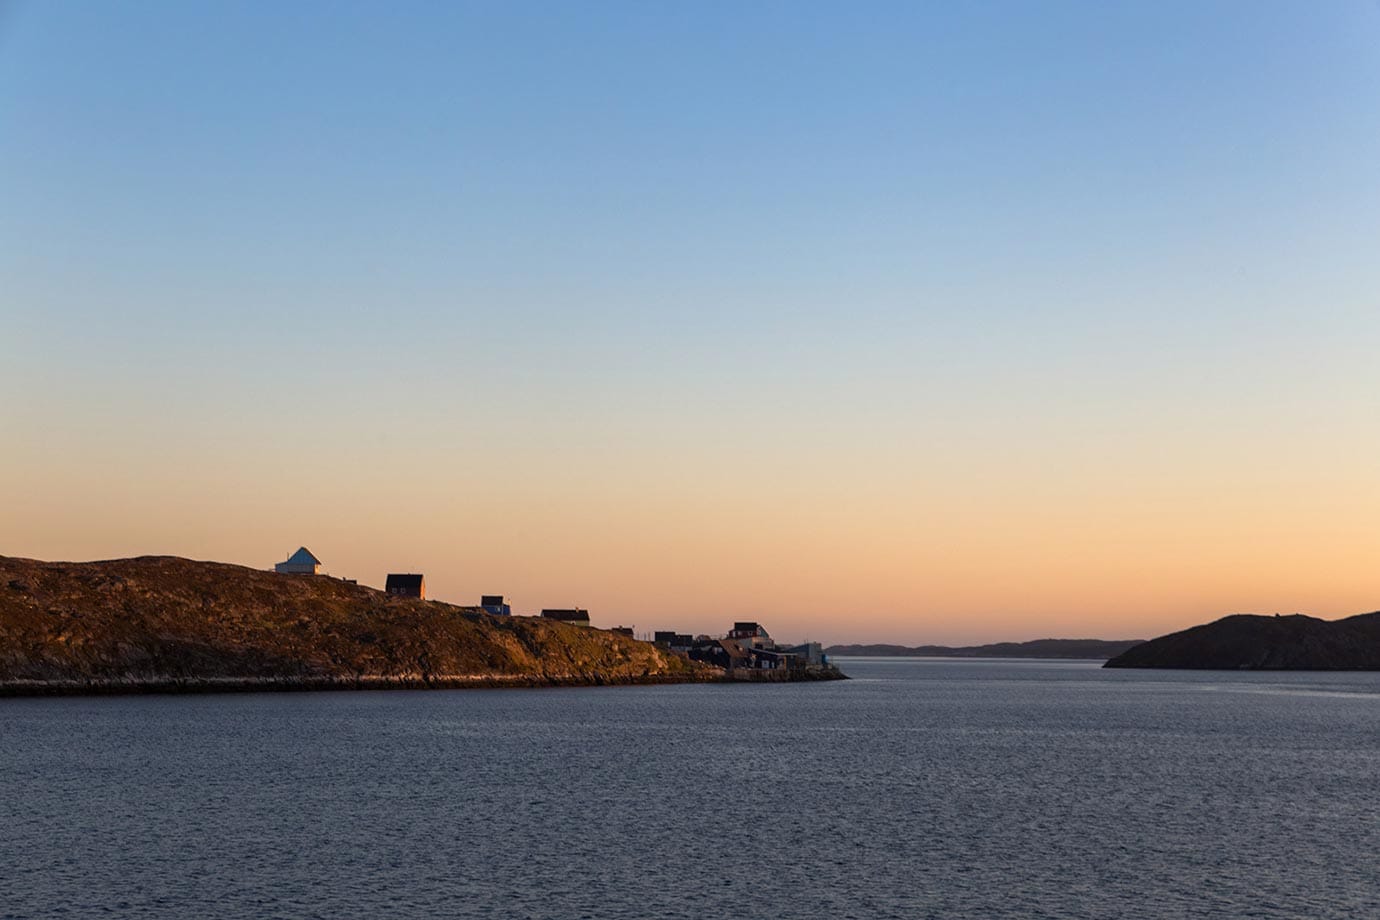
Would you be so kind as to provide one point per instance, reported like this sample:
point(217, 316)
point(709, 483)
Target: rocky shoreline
point(161, 624)
point(154, 686)
point(195, 685)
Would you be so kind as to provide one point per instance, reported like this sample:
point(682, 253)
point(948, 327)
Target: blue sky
point(799, 258)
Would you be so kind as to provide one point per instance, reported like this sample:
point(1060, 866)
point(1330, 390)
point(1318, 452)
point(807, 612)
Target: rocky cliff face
point(160, 622)
point(1289, 643)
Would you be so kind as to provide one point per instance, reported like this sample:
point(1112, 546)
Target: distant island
point(1037, 648)
point(162, 623)
point(1264, 643)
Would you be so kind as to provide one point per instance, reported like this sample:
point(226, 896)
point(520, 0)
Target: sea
point(920, 788)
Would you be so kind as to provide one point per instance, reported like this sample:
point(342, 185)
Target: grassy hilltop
point(165, 623)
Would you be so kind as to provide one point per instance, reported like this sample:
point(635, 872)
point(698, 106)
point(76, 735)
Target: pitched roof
point(403, 581)
point(735, 651)
point(303, 556)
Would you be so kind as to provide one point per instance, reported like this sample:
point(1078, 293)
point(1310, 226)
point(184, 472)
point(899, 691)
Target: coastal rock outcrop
point(1278, 643)
point(166, 623)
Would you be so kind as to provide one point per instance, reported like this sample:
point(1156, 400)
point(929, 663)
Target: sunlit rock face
point(161, 622)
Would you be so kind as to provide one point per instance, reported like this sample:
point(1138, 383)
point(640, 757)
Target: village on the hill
point(747, 649)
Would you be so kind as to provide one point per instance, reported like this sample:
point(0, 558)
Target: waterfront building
point(751, 634)
point(811, 653)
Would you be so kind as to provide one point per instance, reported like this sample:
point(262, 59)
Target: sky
point(876, 321)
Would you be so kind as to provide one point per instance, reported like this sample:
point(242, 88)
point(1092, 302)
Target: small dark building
point(769, 660)
point(724, 653)
point(747, 629)
point(623, 631)
point(494, 603)
point(574, 616)
point(406, 586)
point(672, 639)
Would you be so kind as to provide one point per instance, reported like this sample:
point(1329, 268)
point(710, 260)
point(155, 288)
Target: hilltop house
point(406, 586)
point(574, 616)
point(301, 562)
point(494, 603)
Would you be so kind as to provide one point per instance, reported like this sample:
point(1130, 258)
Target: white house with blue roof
point(301, 562)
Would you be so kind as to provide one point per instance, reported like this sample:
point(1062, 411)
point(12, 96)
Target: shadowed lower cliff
point(1273, 643)
point(161, 622)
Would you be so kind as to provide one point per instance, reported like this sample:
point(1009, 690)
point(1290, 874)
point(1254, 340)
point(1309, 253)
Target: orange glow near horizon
point(906, 555)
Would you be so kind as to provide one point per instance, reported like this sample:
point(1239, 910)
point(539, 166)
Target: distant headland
point(1037, 648)
point(167, 624)
point(1264, 643)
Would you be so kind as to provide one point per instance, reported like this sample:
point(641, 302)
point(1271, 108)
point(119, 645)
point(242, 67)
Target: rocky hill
point(164, 623)
point(1036, 648)
point(1277, 643)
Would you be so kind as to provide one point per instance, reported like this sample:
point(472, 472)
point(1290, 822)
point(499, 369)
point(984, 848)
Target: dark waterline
point(923, 787)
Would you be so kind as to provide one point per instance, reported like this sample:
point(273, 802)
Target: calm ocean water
point(921, 789)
